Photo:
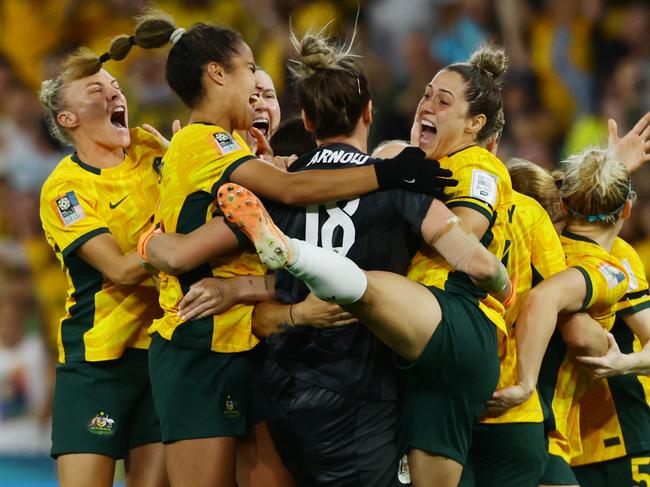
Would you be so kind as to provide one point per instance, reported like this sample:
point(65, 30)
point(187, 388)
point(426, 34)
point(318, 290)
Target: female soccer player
point(456, 115)
point(453, 123)
point(93, 208)
point(596, 197)
point(200, 369)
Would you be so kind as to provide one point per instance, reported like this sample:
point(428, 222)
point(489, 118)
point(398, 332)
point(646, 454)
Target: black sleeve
point(412, 207)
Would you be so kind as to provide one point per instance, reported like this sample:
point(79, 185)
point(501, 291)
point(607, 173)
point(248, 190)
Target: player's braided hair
point(190, 52)
point(329, 81)
point(483, 76)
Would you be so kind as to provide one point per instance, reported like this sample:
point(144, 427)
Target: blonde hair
point(532, 180)
point(78, 65)
point(596, 186)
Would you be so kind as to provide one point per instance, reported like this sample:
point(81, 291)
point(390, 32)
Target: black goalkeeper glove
point(410, 170)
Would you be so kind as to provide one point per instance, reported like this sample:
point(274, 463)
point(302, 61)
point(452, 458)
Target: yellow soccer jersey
point(483, 185)
point(607, 283)
point(79, 202)
point(533, 253)
point(615, 413)
point(200, 158)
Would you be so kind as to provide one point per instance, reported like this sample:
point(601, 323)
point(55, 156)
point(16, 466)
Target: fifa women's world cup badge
point(101, 424)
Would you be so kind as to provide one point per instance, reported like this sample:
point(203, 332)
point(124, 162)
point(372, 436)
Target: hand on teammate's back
point(320, 314)
point(410, 170)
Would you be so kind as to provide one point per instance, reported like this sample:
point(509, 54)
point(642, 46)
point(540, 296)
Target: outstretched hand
point(633, 149)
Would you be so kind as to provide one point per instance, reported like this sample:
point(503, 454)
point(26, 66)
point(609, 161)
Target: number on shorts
point(338, 217)
point(639, 476)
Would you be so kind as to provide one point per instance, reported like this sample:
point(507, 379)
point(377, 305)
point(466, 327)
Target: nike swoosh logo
point(409, 181)
point(115, 205)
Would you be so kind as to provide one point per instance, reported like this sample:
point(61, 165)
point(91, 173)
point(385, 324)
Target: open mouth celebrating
point(429, 131)
point(118, 118)
point(262, 124)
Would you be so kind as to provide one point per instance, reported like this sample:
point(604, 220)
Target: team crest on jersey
point(101, 424)
point(612, 275)
point(231, 408)
point(69, 208)
point(226, 143)
point(403, 472)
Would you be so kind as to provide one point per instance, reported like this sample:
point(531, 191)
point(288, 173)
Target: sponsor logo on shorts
point(403, 473)
point(101, 424)
point(231, 408)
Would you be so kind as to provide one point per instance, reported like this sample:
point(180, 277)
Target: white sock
point(328, 275)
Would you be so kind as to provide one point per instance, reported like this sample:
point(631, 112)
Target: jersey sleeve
point(477, 189)
point(69, 217)
point(547, 256)
point(412, 207)
point(221, 154)
point(606, 282)
point(637, 296)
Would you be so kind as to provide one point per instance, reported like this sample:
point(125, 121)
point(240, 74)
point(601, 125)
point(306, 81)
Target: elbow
point(175, 265)
point(292, 198)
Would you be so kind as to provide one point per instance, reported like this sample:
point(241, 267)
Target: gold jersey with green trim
point(200, 158)
point(79, 202)
point(483, 185)
point(607, 283)
point(533, 253)
point(615, 412)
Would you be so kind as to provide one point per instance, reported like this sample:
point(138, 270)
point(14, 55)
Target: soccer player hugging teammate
point(596, 197)
point(422, 324)
point(341, 382)
point(200, 369)
point(93, 207)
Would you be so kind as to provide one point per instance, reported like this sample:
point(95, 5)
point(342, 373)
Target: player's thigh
point(83, 469)
point(508, 455)
point(450, 383)
point(94, 404)
point(199, 394)
point(402, 313)
point(557, 472)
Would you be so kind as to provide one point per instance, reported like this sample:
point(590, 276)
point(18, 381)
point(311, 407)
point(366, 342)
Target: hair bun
point(491, 59)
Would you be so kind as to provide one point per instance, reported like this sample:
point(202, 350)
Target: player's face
point(96, 111)
point(267, 108)
point(241, 89)
point(441, 120)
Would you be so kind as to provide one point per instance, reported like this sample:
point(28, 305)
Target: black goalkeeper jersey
point(378, 231)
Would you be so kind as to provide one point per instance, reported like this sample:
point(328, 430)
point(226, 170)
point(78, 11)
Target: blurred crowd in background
point(573, 65)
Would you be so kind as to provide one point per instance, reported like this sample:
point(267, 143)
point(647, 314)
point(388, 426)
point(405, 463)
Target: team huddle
point(258, 304)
